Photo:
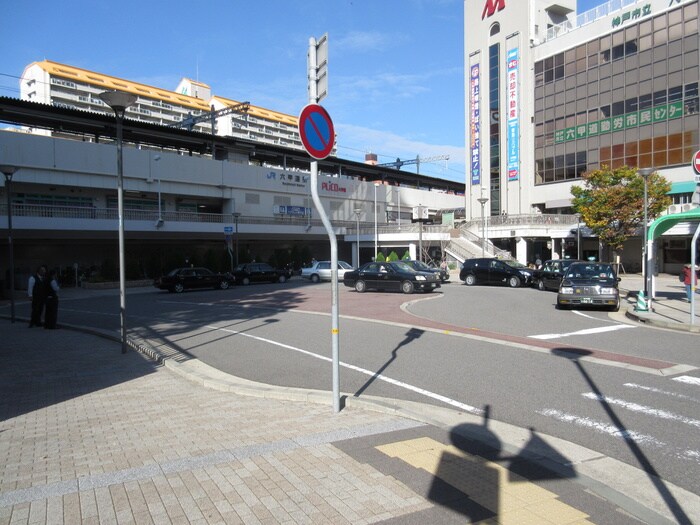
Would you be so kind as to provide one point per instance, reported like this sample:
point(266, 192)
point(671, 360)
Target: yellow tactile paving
point(511, 497)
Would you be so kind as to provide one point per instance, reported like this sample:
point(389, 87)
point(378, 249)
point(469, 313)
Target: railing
point(587, 17)
point(488, 246)
point(531, 219)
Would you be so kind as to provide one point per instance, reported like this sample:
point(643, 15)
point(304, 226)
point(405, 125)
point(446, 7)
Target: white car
point(321, 271)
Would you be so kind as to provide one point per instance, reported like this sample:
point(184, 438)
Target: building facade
point(551, 94)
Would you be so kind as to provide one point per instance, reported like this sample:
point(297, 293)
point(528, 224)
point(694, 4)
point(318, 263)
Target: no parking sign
point(316, 131)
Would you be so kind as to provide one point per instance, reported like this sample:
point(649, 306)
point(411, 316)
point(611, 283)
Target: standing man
point(37, 290)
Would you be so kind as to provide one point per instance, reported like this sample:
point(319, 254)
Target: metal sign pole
point(313, 99)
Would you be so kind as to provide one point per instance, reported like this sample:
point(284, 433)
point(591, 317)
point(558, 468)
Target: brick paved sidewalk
point(90, 435)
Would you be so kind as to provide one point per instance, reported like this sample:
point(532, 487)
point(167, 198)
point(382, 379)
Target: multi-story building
point(72, 87)
point(551, 94)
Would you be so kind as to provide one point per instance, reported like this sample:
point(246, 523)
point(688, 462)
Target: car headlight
point(420, 277)
point(607, 291)
point(566, 290)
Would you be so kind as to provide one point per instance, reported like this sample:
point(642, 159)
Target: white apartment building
point(551, 94)
point(71, 87)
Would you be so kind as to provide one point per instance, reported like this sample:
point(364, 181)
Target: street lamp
point(8, 171)
point(357, 217)
point(236, 215)
point(375, 221)
point(483, 201)
point(578, 237)
point(645, 172)
point(119, 101)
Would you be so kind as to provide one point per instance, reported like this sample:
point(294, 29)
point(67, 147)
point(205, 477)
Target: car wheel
point(540, 285)
point(223, 285)
point(282, 279)
point(245, 281)
point(513, 282)
point(470, 280)
point(615, 308)
point(407, 287)
point(562, 306)
point(315, 278)
point(360, 286)
point(179, 288)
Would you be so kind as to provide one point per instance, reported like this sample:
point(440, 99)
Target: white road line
point(427, 393)
point(690, 380)
point(602, 428)
point(635, 407)
point(587, 331)
point(577, 312)
point(662, 392)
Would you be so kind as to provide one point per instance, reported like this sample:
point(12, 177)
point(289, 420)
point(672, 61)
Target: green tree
point(380, 257)
point(393, 256)
point(406, 256)
point(611, 202)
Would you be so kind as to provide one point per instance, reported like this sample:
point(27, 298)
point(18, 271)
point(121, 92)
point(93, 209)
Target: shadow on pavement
point(644, 462)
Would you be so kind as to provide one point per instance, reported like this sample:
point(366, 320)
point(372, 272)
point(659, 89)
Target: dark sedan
point(550, 275)
point(420, 266)
point(181, 279)
point(247, 273)
point(589, 284)
point(489, 270)
point(391, 276)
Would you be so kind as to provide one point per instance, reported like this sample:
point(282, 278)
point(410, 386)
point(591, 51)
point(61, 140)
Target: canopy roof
point(665, 223)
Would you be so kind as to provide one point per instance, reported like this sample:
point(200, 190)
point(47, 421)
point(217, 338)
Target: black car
point(589, 284)
point(550, 275)
point(181, 279)
point(490, 270)
point(420, 266)
point(390, 276)
point(247, 273)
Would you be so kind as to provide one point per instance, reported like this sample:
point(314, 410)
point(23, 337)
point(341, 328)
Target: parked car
point(390, 276)
point(589, 284)
point(490, 270)
point(321, 271)
point(420, 266)
point(181, 279)
point(550, 275)
point(247, 273)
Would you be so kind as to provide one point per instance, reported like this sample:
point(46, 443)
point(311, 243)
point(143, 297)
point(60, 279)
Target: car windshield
point(344, 265)
point(402, 266)
point(590, 271)
point(515, 264)
point(174, 272)
point(420, 266)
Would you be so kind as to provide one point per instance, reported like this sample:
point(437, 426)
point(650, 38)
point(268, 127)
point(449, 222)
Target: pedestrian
point(37, 292)
point(51, 315)
point(687, 273)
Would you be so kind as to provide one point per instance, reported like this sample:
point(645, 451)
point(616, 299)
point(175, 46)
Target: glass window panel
point(660, 158)
point(659, 97)
point(645, 101)
point(631, 148)
point(645, 43)
point(675, 79)
point(675, 156)
point(631, 104)
point(645, 146)
point(675, 49)
point(559, 59)
point(660, 22)
point(691, 26)
point(617, 163)
point(660, 53)
point(592, 60)
point(645, 27)
point(570, 55)
point(675, 141)
point(645, 161)
point(539, 66)
point(618, 38)
point(660, 68)
point(631, 78)
point(675, 16)
point(690, 43)
point(618, 151)
point(660, 37)
point(675, 32)
point(675, 93)
point(593, 46)
point(645, 57)
point(605, 153)
point(570, 68)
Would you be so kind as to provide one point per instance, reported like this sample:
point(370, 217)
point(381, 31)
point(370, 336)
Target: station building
point(551, 93)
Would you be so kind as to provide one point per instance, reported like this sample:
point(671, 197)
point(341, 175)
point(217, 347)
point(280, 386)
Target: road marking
point(511, 497)
point(591, 317)
point(587, 331)
point(642, 409)
point(695, 381)
point(663, 392)
point(374, 375)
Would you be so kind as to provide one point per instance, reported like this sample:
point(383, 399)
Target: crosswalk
point(653, 417)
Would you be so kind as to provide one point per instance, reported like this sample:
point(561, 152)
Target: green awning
point(682, 187)
point(665, 223)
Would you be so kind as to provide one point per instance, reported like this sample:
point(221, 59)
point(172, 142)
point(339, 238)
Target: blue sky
point(395, 66)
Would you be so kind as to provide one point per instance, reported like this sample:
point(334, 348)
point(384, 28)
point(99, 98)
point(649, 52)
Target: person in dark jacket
point(51, 315)
point(37, 292)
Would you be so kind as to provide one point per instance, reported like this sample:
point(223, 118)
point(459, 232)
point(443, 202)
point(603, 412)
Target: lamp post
point(236, 215)
point(483, 201)
point(357, 237)
point(8, 171)
point(578, 237)
point(645, 172)
point(376, 249)
point(119, 101)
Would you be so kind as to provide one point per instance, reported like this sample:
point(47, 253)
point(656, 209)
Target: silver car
point(321, 271)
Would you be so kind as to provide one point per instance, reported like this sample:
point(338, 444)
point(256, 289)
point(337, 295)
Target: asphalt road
point(629, 391)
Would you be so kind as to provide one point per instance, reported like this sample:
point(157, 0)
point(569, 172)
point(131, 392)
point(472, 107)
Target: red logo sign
point(491, 6)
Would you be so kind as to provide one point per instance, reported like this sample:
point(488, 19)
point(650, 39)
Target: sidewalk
point(669, 308)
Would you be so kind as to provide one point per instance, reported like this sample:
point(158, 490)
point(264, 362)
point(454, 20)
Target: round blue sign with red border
point(316, 131)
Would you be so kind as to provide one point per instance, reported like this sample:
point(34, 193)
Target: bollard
point(641, 305)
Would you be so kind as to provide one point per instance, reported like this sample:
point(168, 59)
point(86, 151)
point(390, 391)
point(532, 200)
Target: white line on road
point(663, 392)
point(649, 411)
point(690, 380)
point(587, 331)
point(374, 375)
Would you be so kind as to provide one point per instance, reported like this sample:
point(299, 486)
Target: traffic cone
point(641, 305)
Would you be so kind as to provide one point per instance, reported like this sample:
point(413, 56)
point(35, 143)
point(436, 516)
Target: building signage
point(633, 14)
point(475, 125)
point(297, 211)
point(635, 119)
point(288, 179)
point(513, 122)
point(333, 186)
point(491, 6)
